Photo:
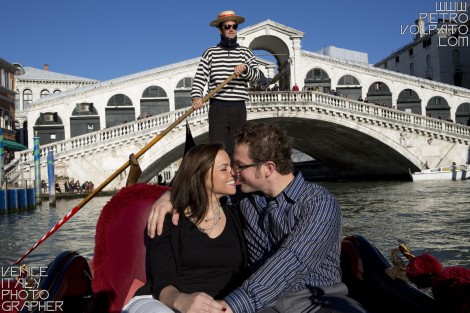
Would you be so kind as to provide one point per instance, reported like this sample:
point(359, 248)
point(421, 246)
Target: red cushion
point(119, 256)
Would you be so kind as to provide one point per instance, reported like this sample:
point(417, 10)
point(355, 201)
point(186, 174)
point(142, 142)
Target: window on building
point(154, 92)
point(27, 98)
point(17, 99)
point(455, 57)
point(427, 42)
point(154, 101)
point(2, 77)
point(45, 92)
point(6, 118)
point(410, 51)
point(428, 74)
point(397, 59)
point(119, 100)
point(84, 107)
point(317, 75)
point(348, 80)
point(412, 69)
point(49, 117)
point(56, 91)
point(5, 79)
point(186, 82)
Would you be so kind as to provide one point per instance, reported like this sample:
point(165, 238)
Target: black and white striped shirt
point(217, 64)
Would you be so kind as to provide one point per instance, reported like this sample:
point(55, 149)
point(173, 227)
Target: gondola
point(108, 281)
point(71, 283)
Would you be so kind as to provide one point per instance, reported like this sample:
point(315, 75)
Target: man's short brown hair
point(267, 142)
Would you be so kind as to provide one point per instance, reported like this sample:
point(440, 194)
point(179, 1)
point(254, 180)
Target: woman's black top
point(188, 259)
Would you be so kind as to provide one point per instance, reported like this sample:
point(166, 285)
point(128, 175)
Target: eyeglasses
point(228, 26)
point(239, 168)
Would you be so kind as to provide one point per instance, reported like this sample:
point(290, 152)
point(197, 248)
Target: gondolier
point(227, 111)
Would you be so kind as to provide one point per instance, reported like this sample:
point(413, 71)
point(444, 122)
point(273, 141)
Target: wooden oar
point(122, 168)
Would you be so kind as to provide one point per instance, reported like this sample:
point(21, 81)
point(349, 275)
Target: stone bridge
point(353, 138)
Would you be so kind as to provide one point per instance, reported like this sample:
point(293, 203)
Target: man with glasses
point(227, 111)
point(292, 230)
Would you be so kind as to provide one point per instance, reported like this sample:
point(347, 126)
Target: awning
point(13, 145)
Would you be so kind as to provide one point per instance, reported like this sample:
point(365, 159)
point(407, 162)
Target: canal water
point(431, 217)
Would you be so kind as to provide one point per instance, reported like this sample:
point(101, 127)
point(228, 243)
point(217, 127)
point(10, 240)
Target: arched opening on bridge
point(154, 101)
point(119, 110)
point(349, 86)
point(267, 63)
point(84, 119)
point(380, 94)
point(409, 101)
point(183, 93)
point(317, 79)
point(462, 116)
point(438, 108)
point(278, 52)
point(49, 128)
point(263, 83)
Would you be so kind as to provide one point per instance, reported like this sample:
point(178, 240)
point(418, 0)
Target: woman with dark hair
point(203, 258)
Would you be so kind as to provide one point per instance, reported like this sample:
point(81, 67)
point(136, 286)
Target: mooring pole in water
point(51, 178)
point(37, 170)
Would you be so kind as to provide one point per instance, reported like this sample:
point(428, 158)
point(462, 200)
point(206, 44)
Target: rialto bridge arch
point(352, 137)
point(348, 149)
point(282, 42)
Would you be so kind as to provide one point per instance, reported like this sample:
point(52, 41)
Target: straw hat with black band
point(227, 16)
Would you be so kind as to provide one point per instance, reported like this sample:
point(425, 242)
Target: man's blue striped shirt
point(293, 243)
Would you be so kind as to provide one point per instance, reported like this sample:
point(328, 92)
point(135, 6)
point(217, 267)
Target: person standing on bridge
point(227, 111)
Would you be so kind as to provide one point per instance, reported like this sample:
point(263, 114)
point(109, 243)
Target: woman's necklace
point(205, 228)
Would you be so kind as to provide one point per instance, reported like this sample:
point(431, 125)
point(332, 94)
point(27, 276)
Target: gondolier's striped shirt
point(293, 244)
point(217, 64)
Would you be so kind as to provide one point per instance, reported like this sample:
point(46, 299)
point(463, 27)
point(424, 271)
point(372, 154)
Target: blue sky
point(105, 39)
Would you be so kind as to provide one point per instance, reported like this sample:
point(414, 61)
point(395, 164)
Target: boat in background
point(451, 172)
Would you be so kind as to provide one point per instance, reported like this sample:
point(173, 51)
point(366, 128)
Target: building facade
point(33, 84)
point(7, 100)
point(440, 50)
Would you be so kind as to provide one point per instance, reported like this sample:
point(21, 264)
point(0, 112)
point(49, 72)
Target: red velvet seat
point(119, 258)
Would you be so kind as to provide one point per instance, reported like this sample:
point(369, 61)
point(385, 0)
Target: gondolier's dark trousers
point(330, 299)
point(225, 119)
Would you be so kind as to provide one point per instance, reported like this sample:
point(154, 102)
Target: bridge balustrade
point(275, 99)
point(326, 100)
